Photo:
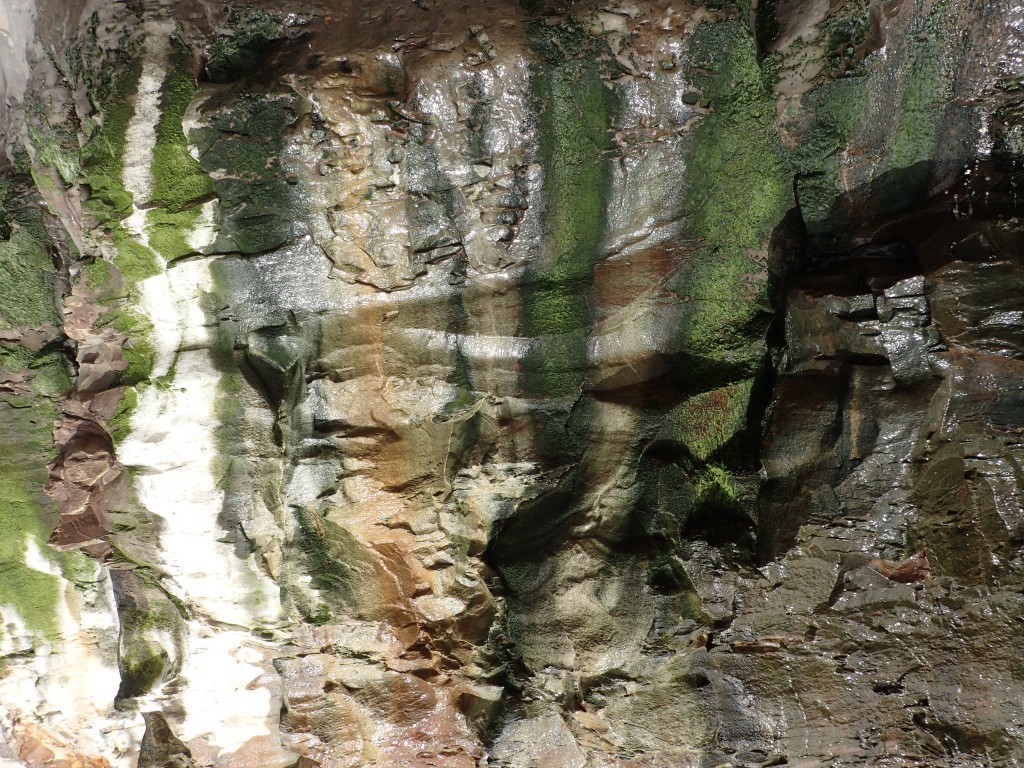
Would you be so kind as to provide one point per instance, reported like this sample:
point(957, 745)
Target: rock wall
point(539, 385)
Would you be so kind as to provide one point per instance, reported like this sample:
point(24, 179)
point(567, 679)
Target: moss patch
point(103, 154)
point(178, 180)
point(168, 231)
point(927, 89)
point(839, 107)
point(52, 378)
point(101, 276)
point(240, 53)
point(706, 422)
point(139, 352)
point(180, 185)
point(96, 273)
point(894, 110)
point(140, 661)
point(55, 148)
point(120, 421)
point(79, 569)
point(574, 113)
point(27, 288)
point(460, 377)
point(737, 194)
point(715, 488)
point(27, 276)
point(845, 35)
point(23, 455)
point(108, 199)
point(341, 568)
point(26, 282)
point(243, 144)
point(133, 260)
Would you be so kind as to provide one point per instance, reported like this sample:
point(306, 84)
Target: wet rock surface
point(526, 385)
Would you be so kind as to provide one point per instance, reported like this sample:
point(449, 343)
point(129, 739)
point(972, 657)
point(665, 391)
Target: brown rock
point(34, 752)
point(15, 383)
point(910, 571)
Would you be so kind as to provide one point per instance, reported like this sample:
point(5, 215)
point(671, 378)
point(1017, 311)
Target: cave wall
point(532, 385)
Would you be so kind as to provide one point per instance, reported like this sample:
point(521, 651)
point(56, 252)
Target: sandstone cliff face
point(529, 385)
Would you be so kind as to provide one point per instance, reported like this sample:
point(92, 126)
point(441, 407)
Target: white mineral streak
point(140, 136)
point(173, 449)
point(17, 27)
point(218, 703)
point(66, 684)
point(70, 681)
point(173, 443)
point(204, 231)
point(156, 302)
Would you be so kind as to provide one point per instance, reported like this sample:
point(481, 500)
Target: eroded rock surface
point(528, 385)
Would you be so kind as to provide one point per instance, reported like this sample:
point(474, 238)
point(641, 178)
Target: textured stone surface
point(530, 385)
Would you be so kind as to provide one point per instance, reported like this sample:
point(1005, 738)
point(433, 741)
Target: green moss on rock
point(105, 280)
point(178, 180)
point(79, 569)
point(54, 148)
point(139, 353)
point(575, 111)
point(22, 160)
point(140, 661)
point(737, 194)
point(52, 377)
point(574, 114)
point(27, 285)
point(119, 422)
point(461, 378)
point(96, 274)
point(838, 108)
point(23, 454)
point(26, 282)
point(716, 488)
point(927, 88)
point(180, 185)
point(243, 145)
point(108, 200)
point(706, 422)
point(342, 568)
point(103, 155)
point(240, 53)
point(168, 231)
point(133, 260)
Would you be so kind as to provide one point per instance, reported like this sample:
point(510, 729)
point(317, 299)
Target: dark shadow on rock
point(160, 747)
point(880, 313)
point(678, 496)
